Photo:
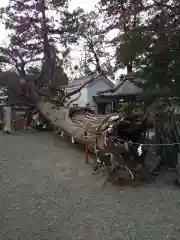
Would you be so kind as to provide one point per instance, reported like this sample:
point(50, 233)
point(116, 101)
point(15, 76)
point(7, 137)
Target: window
point(75, 105)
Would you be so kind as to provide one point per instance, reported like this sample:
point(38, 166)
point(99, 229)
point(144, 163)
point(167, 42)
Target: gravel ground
point(48, 193)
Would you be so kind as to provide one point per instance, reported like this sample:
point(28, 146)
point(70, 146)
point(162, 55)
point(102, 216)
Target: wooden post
point(177, 180)
point(3, 126)
point(25, 123)
point(178, 166)
point(86, 151)
point(54, 133)
point(14, 125)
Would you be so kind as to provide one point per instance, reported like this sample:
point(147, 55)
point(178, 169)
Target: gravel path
point(48, 193)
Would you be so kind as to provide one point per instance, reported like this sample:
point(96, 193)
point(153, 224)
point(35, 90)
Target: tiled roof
point(82, 80)
point(125, 87)
point(128, 87)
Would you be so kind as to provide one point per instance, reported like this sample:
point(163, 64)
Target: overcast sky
point(86, 4)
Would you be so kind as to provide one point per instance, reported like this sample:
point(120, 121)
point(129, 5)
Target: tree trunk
point(73, 123)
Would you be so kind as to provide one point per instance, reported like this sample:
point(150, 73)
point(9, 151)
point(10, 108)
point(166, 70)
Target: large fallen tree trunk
point(122, 127)
point(107, 135)
point(75, 122)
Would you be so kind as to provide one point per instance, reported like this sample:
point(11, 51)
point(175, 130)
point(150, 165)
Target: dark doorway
point(101, 108)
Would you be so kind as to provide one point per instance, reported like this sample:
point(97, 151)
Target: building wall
point(93, 89)
point(88, 92)
point(82, 101)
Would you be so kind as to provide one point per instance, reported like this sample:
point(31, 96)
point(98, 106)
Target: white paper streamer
point(72, 139)
point(126, 146)
point(139, 150)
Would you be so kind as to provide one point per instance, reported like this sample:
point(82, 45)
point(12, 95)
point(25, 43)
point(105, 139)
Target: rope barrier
point(145, 144)
point(126, 141)
point(88, 134)
point(118, 140)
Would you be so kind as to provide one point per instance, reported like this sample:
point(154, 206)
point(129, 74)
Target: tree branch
point(80, 88)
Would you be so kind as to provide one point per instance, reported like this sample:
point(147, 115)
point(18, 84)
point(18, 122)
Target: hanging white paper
point(126, 146)
point(139, 150)
point(72, 139)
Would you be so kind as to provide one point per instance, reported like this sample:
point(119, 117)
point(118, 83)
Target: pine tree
point(37, 30)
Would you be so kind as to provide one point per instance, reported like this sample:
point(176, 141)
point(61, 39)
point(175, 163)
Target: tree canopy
point(44, 33)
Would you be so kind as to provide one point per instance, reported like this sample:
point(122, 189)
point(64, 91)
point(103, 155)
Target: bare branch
point(80, 88)
point(73, 100)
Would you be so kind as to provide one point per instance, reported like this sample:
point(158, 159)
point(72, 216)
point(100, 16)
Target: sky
point(86, 4)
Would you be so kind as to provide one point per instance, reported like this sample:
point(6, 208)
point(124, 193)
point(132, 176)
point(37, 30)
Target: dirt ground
point(49, 193)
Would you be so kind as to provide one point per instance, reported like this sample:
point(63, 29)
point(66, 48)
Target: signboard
point(19, 118)
point(19, 112)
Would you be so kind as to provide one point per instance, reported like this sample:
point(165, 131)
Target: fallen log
point(75, 122)
point(105, 133)
point(108, 135)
